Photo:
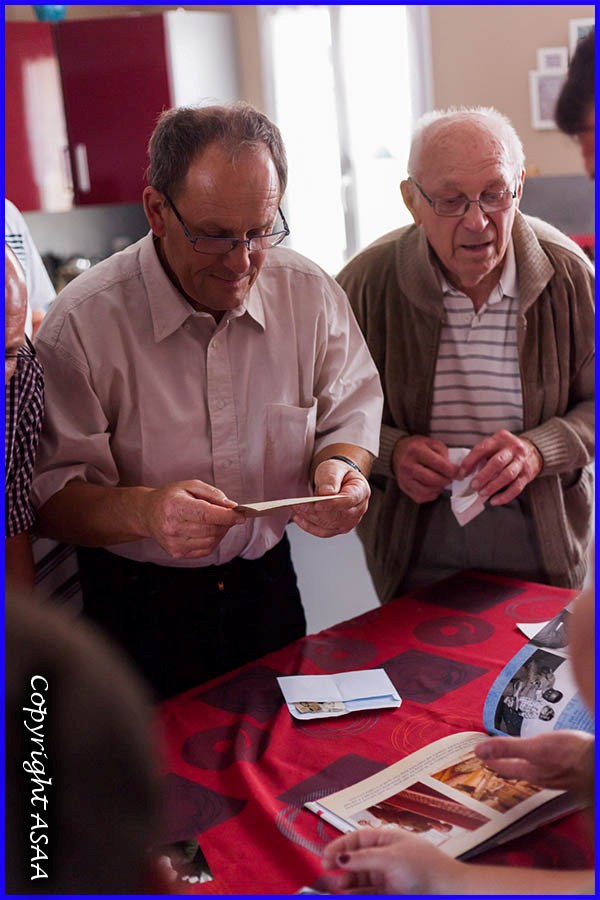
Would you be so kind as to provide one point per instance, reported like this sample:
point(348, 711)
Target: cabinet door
point(37, 175)
point(115, 84)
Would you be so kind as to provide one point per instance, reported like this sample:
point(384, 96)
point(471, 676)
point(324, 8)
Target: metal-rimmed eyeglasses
point(220, 246)
point(488, 202)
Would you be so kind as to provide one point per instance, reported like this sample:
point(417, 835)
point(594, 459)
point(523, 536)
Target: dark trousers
point(183, 626)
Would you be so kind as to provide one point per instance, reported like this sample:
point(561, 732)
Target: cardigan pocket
point(578, 499)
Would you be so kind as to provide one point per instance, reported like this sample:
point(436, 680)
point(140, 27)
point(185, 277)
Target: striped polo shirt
point(477, 386)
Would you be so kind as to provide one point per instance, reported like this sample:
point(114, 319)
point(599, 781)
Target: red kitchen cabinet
point(36, 164)
point(115, 83)
point(117, 75)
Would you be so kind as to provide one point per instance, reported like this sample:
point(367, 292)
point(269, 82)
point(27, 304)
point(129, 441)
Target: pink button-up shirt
point(141, 389)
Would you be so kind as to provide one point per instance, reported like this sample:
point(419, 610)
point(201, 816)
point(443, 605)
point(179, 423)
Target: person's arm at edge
point(18, 562)
point(96, 516)
point(92, 515)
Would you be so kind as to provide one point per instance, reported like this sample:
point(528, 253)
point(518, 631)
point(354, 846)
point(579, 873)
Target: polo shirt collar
point(507, 285)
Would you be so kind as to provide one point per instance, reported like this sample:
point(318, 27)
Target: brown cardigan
point(397, 300)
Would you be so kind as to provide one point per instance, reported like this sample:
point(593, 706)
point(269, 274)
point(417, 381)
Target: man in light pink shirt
point(202, 367)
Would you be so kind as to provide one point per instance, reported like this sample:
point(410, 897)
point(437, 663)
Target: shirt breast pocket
point(290, 444)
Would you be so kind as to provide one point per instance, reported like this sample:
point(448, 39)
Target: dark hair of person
point(577, 95)
point(181, 134)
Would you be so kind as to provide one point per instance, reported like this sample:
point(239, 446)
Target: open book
point(536, 691)
point(445, 793)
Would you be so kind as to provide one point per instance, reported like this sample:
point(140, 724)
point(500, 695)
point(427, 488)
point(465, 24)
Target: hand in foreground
point(189, 519)
point(510, 463)
point(389, 861)
point(561, 760)
point(332, 476)
point(422, 467)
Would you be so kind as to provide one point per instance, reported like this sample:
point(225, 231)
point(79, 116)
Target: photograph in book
point(475, 779)
point(422, 810)
point(532, 697)
point(444, 793)
point(536, 691)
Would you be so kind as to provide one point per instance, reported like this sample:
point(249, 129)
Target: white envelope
point(337, 695)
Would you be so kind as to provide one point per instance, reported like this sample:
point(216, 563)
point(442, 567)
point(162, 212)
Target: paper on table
point(465, 503)
point(267, 507)
point(363, 689)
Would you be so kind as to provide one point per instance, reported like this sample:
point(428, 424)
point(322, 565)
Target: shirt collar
point(168, 308)
point(507, 284)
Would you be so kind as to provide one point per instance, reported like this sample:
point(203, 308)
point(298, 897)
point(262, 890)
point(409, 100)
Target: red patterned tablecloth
point(239, 768)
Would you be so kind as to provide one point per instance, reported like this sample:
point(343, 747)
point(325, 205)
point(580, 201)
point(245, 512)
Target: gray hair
point(485, 116)
point(181, 134)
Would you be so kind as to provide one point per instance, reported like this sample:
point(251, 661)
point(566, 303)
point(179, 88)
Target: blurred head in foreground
point(80, 759)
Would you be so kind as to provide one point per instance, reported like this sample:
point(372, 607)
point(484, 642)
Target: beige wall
point(483, 54)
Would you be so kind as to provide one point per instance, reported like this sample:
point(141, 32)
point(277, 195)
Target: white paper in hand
point(268, 507)
point(466, 504)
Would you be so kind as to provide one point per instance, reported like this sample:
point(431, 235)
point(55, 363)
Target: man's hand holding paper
point(333, 476)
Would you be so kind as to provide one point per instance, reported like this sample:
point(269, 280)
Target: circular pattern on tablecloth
point(420, 729)
point(218, 748)
point(191, 808)
point(532, 609)
point(339, 653)
point(453, 631)
point(332, 728)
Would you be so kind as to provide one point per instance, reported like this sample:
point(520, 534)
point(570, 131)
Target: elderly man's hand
point(422, 467)
point(560, 760)
point(189, 519)
point(510, 463)
point(332, 476)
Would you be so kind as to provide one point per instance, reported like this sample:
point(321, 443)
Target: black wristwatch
point(350, 462)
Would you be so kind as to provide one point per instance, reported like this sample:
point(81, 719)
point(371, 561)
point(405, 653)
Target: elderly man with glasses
point(481, 323)
point(203, 367)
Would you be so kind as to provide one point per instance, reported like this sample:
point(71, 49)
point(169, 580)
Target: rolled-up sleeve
point(75, 441)
point(347, 384)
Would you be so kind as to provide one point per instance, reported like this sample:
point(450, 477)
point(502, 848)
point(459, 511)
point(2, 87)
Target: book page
point(536, 691)
point(443, 792)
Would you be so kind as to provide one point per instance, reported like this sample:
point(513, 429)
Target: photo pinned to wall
point(552, 59)
point(578, 28)
point(544, 88)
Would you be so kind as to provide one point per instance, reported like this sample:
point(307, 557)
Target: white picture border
point(552, 59)
point(578, 28)
point(544, 88)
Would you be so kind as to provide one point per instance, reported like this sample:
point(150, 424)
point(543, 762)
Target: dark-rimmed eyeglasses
point(219, 246)
point(488, 202)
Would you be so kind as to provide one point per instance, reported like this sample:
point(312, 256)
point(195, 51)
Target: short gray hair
point(181, 134)
point(486, 116)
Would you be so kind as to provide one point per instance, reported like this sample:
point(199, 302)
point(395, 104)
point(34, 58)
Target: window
point(345, 82)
